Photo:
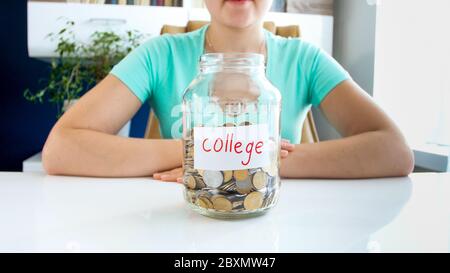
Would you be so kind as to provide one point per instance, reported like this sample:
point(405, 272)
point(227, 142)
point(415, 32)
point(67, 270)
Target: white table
point(49, 213)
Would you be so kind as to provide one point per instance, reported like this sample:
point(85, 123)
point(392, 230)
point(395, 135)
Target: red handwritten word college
point(229, 145)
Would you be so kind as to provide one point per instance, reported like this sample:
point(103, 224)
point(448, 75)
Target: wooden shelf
point(185, 3)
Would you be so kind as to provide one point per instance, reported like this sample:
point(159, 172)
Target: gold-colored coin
point(227, 176)
point(215, 196)
point(259, 180)
point(190, 182)
point(204, 202)
point(221, 203)
point(240, 175)
point(201, 203)
point(229, 124)
point(253, 200)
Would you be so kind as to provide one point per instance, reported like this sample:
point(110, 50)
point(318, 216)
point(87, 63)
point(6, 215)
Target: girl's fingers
point(172, 175)
point(173, 171)
point(169, 176)
point(287, 146)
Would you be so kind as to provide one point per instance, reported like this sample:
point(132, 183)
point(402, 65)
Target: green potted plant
point(80, 66)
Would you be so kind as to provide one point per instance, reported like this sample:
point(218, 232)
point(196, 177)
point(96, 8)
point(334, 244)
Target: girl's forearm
point(90, 153)
point(370, 154)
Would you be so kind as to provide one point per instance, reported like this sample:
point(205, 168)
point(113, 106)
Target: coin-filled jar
point(231, 137)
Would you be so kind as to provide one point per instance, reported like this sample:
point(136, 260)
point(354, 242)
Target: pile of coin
point(229, 190)
point(229, 202)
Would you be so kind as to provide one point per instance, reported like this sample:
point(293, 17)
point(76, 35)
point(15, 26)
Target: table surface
point(72, 214)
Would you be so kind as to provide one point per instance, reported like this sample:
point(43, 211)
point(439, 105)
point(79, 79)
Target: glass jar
point(231, 137)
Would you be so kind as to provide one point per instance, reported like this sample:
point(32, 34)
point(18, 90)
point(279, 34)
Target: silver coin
point(244, 186)
point(213, 179)
point(228, 186)
point(271, 198)
point(237, 202)
point(254, 170)
point(200, 184)
point(245, 123)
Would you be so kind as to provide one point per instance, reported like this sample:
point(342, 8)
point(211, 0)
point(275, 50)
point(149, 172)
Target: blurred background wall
point(353, 48)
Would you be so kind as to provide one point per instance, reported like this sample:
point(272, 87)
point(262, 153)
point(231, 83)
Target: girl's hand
point(286, 148)
point(176, 175)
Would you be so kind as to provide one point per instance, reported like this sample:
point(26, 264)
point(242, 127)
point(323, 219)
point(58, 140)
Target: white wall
point(412, 64)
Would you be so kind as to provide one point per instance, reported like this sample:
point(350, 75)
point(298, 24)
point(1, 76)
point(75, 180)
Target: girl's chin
point(238, 24)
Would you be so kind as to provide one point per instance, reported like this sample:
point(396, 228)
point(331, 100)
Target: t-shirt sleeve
point(325, 74)
point(138, 69)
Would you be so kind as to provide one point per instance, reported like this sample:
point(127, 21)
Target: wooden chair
point(309, 132)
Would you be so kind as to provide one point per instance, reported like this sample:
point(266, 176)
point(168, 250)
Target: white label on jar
point(232, 148)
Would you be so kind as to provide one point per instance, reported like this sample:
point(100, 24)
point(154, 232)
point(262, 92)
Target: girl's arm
point(372, 145)
point(83, 141)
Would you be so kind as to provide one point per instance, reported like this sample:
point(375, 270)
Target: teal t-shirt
point(160, 69)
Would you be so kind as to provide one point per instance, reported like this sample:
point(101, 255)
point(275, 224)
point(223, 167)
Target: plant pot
point(123, 132)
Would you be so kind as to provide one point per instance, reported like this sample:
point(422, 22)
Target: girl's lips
point(238, 2)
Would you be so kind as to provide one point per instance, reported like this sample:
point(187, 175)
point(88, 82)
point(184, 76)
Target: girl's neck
point(220, 38)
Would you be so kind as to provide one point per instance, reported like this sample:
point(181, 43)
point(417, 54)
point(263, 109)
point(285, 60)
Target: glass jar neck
point(232, 62)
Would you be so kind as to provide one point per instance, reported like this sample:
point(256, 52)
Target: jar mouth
point(232, 60)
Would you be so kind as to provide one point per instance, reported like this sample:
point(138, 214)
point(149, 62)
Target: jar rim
point(233, 59)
